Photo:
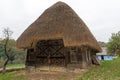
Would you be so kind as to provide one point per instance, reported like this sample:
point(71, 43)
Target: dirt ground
point(45, 75)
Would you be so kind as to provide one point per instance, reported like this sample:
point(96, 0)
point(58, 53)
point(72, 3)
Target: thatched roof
point(58, 22)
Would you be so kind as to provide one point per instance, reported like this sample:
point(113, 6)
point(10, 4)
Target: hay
point(58, 22)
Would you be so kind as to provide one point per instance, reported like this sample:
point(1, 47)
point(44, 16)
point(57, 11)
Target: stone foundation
point(31, 69)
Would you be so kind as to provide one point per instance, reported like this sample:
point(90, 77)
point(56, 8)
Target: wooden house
point(58, 40)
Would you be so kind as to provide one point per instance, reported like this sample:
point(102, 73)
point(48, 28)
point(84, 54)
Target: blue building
point(104, 55)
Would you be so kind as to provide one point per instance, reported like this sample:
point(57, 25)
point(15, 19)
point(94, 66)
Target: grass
point(15, 65)
point(108, 70)
point(12, 76)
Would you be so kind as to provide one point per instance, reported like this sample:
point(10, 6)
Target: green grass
point(15, 65)
point(108, 70)
point(12, 76)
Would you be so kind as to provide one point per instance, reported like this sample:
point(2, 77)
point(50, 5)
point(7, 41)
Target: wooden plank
point(95, 60)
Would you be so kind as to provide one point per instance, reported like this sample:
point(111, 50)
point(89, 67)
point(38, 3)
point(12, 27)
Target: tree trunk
point(4, 66)
point(6, 62)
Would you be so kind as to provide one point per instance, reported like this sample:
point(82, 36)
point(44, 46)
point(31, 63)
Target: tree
point(113, 46)
point(16, 56)
point(11, 44)
point(6, 36)
point(102, 44)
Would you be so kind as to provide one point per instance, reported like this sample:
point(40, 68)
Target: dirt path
point(52, 75)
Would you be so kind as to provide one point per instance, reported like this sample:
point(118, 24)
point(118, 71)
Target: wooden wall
point(53, 53)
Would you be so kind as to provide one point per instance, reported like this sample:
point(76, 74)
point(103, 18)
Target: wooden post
point(66, 58)
point(87, 60)
point(89, 52)
point(84, 60)
point(26, 62)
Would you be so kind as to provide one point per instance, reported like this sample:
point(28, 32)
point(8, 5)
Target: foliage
point(102, 44)
point(20, 56)
point(108, 70)
point(17, 56)
point(1, 62)
point(113, 45)
point(1, 51)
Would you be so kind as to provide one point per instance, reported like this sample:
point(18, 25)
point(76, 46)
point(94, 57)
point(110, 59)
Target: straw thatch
point(58, 22)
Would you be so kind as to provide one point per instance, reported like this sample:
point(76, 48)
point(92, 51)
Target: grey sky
point(101, 16)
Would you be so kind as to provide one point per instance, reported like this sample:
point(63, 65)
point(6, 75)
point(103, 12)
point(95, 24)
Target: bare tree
point(6, 36)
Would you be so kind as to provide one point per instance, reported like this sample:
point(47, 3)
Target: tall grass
point(108, 70)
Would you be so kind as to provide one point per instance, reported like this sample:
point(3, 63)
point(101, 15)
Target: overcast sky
point(101, 16)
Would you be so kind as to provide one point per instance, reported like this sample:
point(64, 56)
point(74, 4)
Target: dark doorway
point(102, 57)
point(50, 52)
